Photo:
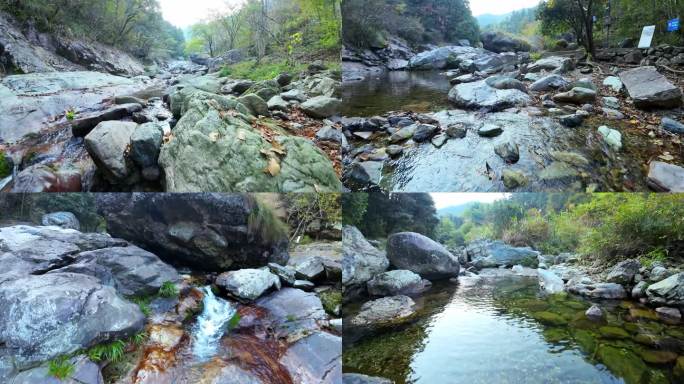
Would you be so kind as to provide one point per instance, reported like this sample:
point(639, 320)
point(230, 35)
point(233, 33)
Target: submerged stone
point(623, 363)
point(611, 332)
point(549, 318)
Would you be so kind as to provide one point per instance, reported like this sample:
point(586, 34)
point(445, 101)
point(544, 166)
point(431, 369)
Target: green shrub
point(168, 289)
point(262, 71)
point(5, 168)
point(61, 368)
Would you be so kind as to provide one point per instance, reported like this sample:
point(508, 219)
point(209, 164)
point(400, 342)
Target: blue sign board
point(673, 25)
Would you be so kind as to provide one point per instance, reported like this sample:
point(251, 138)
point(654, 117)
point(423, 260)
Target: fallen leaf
point(214, 136)
point(273, 168)
point(241, 135)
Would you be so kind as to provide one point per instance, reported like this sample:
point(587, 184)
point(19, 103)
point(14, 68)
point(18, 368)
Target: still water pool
point(503, 330)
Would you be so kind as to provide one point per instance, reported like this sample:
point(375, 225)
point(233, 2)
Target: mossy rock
point(640, 313)
point(658, 377)
point(651, 326)
point(331, 300)
point(658, 357)
point(576, 305)
point(677, 333)
point(555, 335)
point(626, 304)
point(586, 340)
point(549, 318)
point(613, 332)
point(533, 305)
point(631, 327)
point(678, 371)
point(647, 339)
point(623, 363)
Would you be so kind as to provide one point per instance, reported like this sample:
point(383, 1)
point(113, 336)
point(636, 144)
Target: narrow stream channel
point(211, 325)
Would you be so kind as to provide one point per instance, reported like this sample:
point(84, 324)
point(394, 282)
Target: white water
point(211, 325)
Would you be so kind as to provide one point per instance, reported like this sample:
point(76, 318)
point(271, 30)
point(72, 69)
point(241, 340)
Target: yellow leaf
point(273, 168)
point(214, 136)
point(241, 135)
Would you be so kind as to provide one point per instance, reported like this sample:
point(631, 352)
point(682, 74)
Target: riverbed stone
point(669, 315)
point(59, 313)
point(577, 95)
point(248, 284)
point(456, 131)
point(317, 358)
point(404, 133)
point(650, 89)
point(667, 292)
point(555, 64)
point(508, 151)
point(611, 102)
point(595, 313)
point(256, 105)
point(480, 95)
point(597, 291)
point(639, 290)
point(550, 282)
point(397, 282)
point(623, 363)
point(672, 125)
point(624, 272)
point(613, 82)
point(422, 255)
point(666, 177)
point(424, 132)
point(107, 145)
point(365, 174)
point(321, 107)
point(549, 318)
point(487, 254)
point(146, 142)
point(82, 126)
point(385, 312)
point(490, 130)
point(285, 273)
point(549, 83)
point(611, 136)
point(293, 311)
point(513, 179)
point(571, 121)
point(360, 260)
point(66, 220)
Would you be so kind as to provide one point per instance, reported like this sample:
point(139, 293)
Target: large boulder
point(216, 232)
point(422, 255)
point(624, 272)
point(397, 282)
point(439, 58)
point(57, 314)
point(248, 284)
point(131, 270)
point(321, 107)
point(500, 42)
point(293, 312)
point(66, 220)
point(213, 151)
point(666, 177)
point(360, 260)
point(489, 254)
point(667, 292)
point(480, 95)
point(107, 144)
point(650, 89)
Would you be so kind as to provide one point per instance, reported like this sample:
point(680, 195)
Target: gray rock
point(424, 132)
point(357, 378)
point(420, 254)
point(500, 42)
point(595, 313)
point(397, 282)
point(66, 220)
point(576, 95)
point(84, 125)
point(613, 82)
point(555, 64)
point(549, 83)
point(624, 272)
point(571, 121)
point(659, 273)
point(612, 114)
point(316, 358)
point(59, 313)
point(394, 150)
point(256, 105)
point(84, 372)
point(439, 140)
point(611, 102)
point(650, 89)
point(513, 179)
point(365, 174)
point(329, 133)
point(639, 290)
point(404, 133)
point(612, 137)
point(669, 315)
point(277, 103)
point(666, 177)
point(667, 292)
point(457, 131)
point(146, 142)
point(360, 260)
point(248, 284)
point(294, 95)
point(508, 151)
point(285, 273)
point(213, 232)
point(505, 82)
point(597, 291)
point(480, 95)
point(672, 125)
point(550, 282)
point(107, 145)
point(384, 312)
point(131, 270)
point(304, 285)
point(237, 87)
point(486, 254)
point(229, 374)
point(293, 311)
point(321, 107)
point(490, 130)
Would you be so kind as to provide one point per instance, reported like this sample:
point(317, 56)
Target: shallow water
point(211, 325)
point(486, 332)
point(418, 91)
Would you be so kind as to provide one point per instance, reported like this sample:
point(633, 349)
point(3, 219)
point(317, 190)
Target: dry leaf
point(241, 135)
point(214, 136)
point(317, 188)
point(273, 168)
point(265, 152)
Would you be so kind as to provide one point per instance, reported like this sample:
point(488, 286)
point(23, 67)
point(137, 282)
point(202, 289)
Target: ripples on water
point(211, 325)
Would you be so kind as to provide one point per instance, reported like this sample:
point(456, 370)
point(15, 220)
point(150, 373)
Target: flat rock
point(480, 95)
point(248, 284)
point(650, 89)
point(666, 177)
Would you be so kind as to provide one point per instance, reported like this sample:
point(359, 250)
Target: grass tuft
point(112, 352)
point(168, 289)
point(61, 368)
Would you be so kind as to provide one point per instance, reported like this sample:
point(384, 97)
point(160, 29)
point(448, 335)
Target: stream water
point(496, 330)
point(211, 325)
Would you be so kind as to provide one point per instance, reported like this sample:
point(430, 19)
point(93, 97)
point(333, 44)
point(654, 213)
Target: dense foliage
point(312, 210)
point(136, 26)
point(378, 215)
point(370, 23)
point(599, 226)
point(280, 34)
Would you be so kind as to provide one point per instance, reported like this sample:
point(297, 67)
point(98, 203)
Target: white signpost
point(647, 36)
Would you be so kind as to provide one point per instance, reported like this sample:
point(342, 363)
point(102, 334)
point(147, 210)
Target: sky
point(184, 13)
point(443, 200)
point(499, 7)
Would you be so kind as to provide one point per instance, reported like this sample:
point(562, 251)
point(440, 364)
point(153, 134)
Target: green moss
point(549, 318)
point(168, 289)
point(331, 299)
point(624, 363)
point(61, 368)
point(610, 332)
point(5, 168)
point(555, 335)
point(658, 357)
point(586, 341)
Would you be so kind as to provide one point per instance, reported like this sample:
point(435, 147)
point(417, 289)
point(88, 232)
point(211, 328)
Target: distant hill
point(455, 210)
point(489, 19)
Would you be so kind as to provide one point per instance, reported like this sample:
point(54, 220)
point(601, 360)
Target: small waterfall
point(211, 325)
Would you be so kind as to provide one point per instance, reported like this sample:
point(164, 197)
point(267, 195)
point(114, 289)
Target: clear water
point(417, 91)
point(211, 325)
point(487, 333)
